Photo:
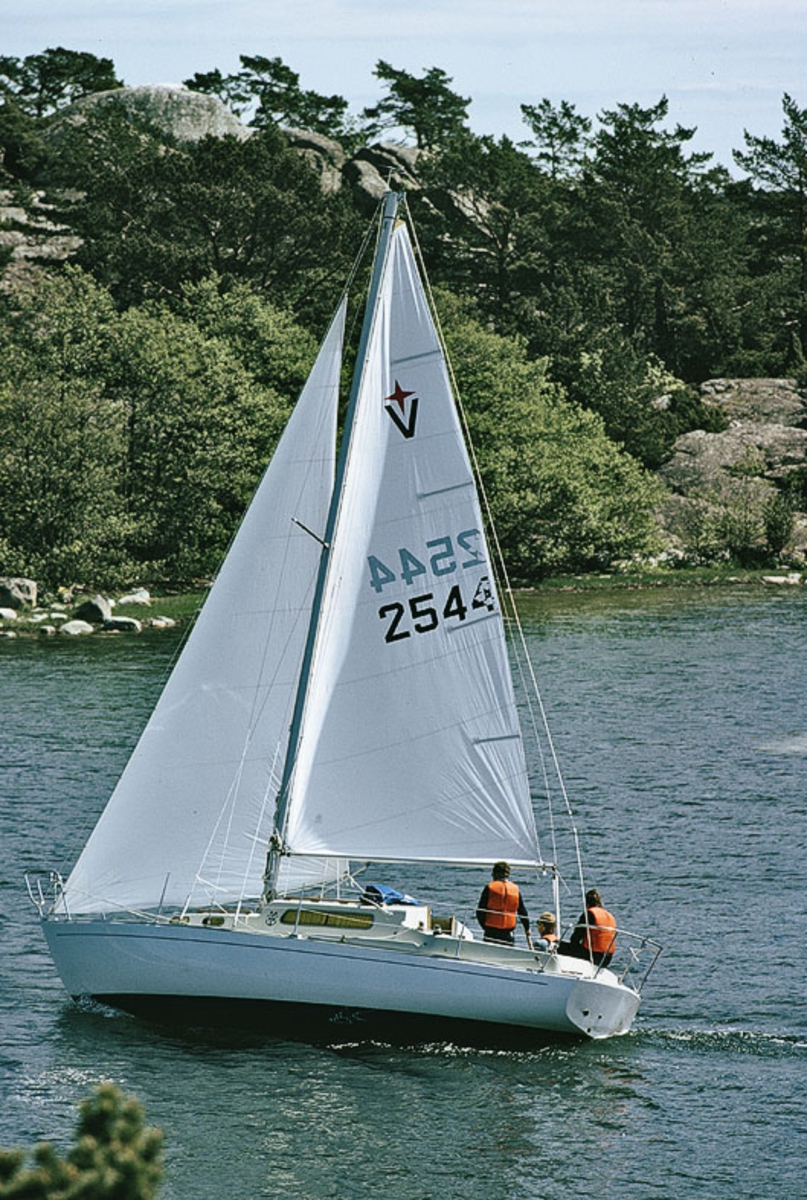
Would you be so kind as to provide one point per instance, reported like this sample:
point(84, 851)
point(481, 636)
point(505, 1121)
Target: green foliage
point(562, 495)
point(23, 153)
point(778, 516)
point(132, 442)
point(270, 91)
point(153, 217)
point(427, 106)
point(484, 225)
point(780, 239)
point(644, 407)
point(61, 435)
point(199, 430)
point(42, 83)
point(729, 517)
point(616, 267)
point(561, 136)
point(115, 1157)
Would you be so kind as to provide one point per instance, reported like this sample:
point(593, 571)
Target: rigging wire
point(524, 661)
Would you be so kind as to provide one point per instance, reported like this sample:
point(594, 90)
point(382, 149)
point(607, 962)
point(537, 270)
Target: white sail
point(410, 747)
point(191, 816)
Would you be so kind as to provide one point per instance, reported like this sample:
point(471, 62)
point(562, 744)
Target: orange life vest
point(600, 937)
point(502, 905)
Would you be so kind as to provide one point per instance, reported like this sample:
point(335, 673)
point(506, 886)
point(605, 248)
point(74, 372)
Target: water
point(681, 724)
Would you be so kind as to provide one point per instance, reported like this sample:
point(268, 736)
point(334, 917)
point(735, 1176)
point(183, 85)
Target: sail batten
point(413, 358)
point(452, 487)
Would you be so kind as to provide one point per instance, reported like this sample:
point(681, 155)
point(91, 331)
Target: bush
point(115, 1157)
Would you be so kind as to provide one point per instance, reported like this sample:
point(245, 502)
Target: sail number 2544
point(442, 556)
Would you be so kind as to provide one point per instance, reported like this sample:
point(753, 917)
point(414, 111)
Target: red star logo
point(399, 395)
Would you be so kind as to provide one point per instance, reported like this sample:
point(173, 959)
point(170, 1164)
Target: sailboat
point(344, 699)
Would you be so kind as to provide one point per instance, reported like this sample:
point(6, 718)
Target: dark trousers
point(508, 936)
point(600, 960)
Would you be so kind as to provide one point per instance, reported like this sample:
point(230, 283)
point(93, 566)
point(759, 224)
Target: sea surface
point(680, 721)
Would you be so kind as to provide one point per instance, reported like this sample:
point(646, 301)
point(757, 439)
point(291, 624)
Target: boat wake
point(794, 743)
point(762, 1044)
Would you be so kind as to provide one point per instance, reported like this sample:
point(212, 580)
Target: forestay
point(410, 746)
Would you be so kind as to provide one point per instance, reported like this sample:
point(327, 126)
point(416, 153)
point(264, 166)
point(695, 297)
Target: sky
point(724, 65)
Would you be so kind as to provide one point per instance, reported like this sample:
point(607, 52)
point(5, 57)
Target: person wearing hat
point(547, 937)
point(501, 906)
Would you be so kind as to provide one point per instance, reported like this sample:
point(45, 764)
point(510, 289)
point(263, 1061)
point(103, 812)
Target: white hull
point(133, 964)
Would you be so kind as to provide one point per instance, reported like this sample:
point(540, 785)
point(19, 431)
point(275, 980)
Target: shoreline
point(181, 608)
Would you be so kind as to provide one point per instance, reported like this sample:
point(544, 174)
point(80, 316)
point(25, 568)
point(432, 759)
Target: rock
point(763, 401)
point(767, 435)
point(324, 155)
point(176, 110)
point(97, 611)
point(376, 169)
point(8, 614)
point(17, 593)
point(770, 451)
point(138, 596)
point(75, 628)
point(162, 623)
point(33, 238)
point(123, 624)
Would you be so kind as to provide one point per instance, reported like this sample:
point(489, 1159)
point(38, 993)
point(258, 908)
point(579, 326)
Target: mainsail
point(191, 816)
point(409, 746)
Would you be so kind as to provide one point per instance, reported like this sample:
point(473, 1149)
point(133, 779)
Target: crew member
point(594, 936)
point(547, 937)
point(501, 906)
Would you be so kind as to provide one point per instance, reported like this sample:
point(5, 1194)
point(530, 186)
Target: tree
point(152, 215)
point(483, 222)
point(199, 431)
point(272, 92)
point(116, 1157)
point(62, 516)
point(426, 106)
point(779, 516)
point(43, 83)
point(23, 153)
point(563, 496)
point(561, 136)
point(132, 442)
point(781, 243)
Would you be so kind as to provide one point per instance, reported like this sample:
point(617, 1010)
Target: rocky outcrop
point(719, 478)
point(175, 110)
point(324, 155)
point(35, 240)
point(32, 236)
point(766, 435)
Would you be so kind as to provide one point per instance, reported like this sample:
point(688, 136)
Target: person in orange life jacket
point(547, 938)
point(594, 936)
point(501, 905)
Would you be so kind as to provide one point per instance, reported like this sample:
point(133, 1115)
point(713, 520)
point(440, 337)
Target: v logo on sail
point(398, 415)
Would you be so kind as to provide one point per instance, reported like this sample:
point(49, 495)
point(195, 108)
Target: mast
point(388, 217)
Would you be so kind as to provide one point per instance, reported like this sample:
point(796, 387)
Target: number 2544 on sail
point(424, 616)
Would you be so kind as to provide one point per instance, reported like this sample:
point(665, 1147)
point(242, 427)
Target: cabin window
point(308, 916)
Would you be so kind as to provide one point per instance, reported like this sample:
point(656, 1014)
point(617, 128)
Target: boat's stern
point(602, 1007)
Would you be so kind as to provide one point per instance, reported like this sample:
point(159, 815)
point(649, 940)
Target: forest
point(587, 278)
